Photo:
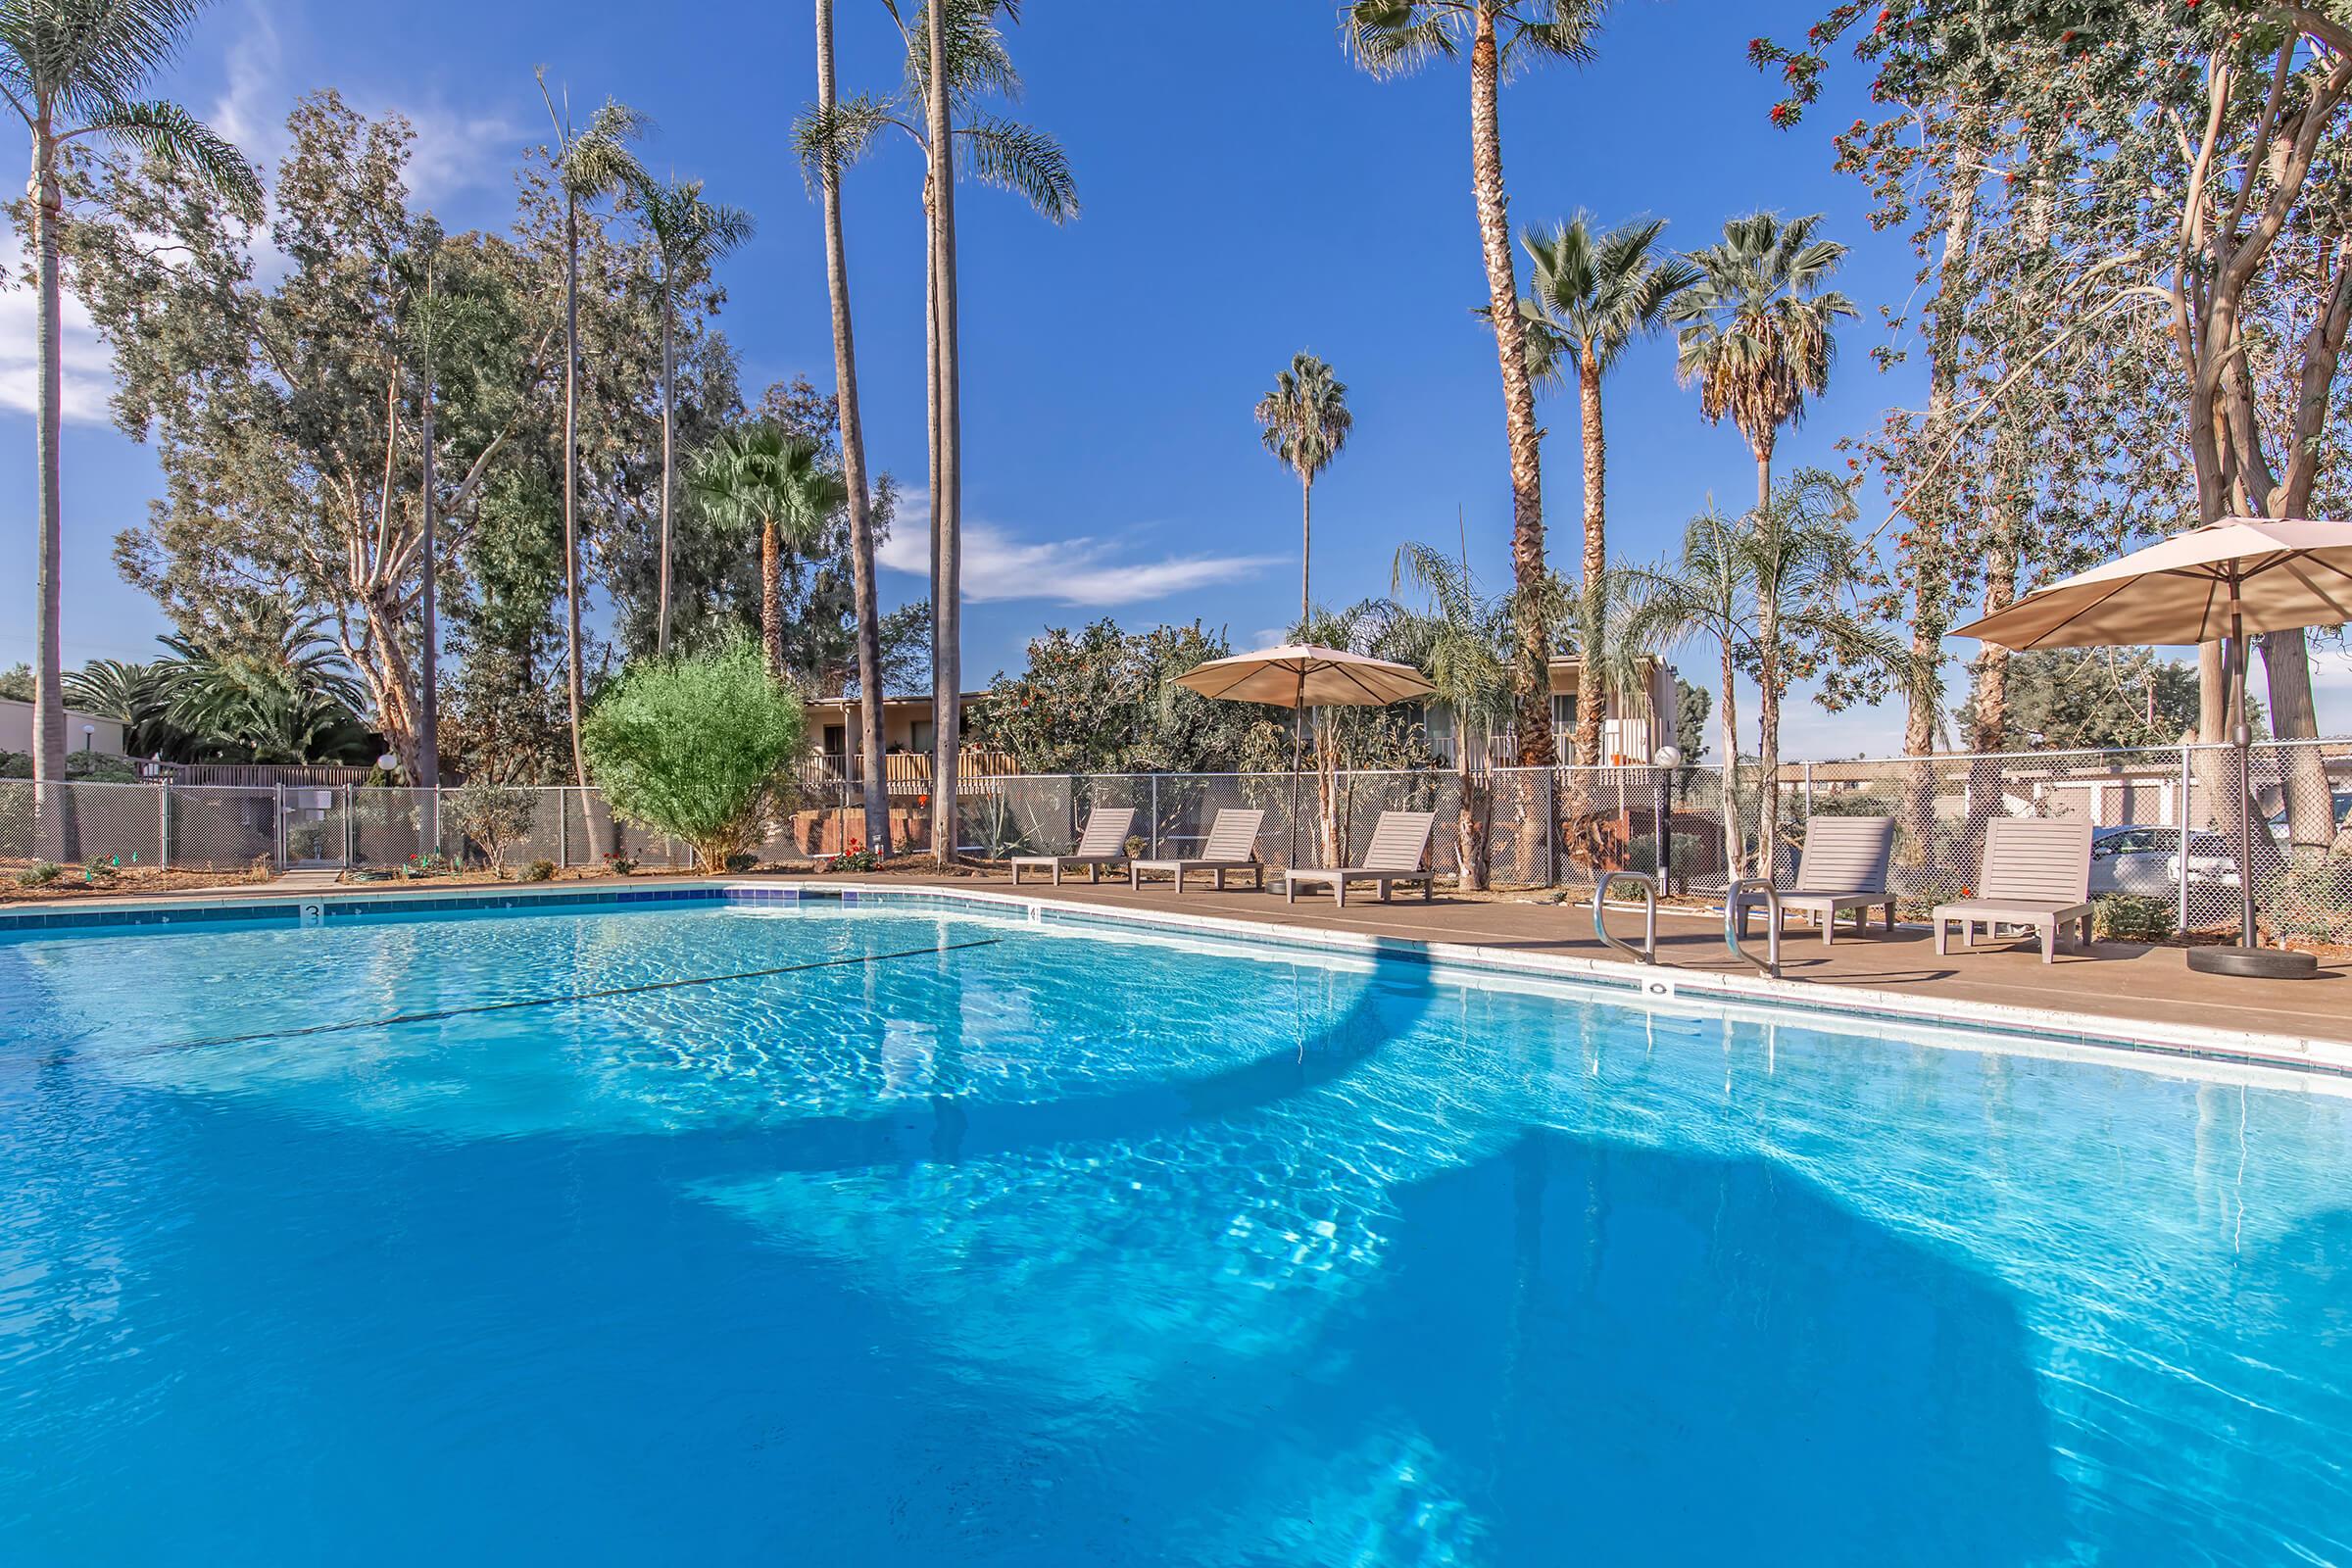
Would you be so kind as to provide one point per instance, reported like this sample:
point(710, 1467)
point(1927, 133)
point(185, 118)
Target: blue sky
point(1248, 193)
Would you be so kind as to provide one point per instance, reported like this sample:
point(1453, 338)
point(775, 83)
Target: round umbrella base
point(2254, 963)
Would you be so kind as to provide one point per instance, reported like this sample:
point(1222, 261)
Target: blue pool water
point(1041, 1245)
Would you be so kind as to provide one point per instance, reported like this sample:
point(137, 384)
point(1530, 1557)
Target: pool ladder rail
point(1755, 887)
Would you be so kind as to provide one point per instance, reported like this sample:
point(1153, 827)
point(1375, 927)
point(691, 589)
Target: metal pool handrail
point(1648, 953)
point(1745, 886)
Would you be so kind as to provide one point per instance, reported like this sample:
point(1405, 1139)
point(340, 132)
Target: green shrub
point(2128, 917)
point(539, 871)
point(493, 815)
point(698, 748)
point(742, 862)
point(2313, 901)
point(39, 874)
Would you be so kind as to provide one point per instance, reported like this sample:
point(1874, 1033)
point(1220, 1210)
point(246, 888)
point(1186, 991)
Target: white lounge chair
point(1103, 843)
point(2036, 872)
point(1232, 847)
point(1400, 844)
point(1843, 867)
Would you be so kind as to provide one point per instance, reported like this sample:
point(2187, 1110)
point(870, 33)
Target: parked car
point(2146, 860)
point(2342, 800)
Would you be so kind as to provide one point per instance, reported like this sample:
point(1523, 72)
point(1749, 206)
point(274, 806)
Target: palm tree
point(1306, 422)
point(1756, 326)
point(691, 234)
point(1703, 593)
point(852, 455)
point(73, 69)
point(269, 693)
point(949, 69)
point(1390, 37)
point(757, 478)
point(1461, 644)
point(590, 162)
point(134, 695)
point(1592, 294)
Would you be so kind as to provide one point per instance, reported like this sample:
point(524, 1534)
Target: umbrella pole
point(2241, 736)
point(1297, 742)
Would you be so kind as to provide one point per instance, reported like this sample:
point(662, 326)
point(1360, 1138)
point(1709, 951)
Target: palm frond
point(1393, 37)
point(1020, 159)
point(91, 56)
point(842, 135)
point(170, 135)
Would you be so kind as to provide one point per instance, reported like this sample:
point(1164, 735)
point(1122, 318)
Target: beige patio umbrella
point(2218, 582)
point(1299, 676)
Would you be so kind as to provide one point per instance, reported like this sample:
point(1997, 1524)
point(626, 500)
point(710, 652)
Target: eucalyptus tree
point(951, 70)
point(74, 70)
point(1756, 327)
point(1304, 422)
point(761, 479)
point(691, 234)
point(1461, 644)
point(1393, 37)
point(591, 162)
point(1593, 295)
point(826, 175)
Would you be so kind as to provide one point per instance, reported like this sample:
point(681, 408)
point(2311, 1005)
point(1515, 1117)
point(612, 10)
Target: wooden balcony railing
point(906, 773)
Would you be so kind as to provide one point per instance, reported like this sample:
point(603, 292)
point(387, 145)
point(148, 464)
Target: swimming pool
point(941, 1237)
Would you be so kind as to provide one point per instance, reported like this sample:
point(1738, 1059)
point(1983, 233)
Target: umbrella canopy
point(1300, 675)
point(2287, 574)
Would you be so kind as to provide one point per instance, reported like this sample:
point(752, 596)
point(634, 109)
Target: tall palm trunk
point(1729, 780)
point(852, 472)
point(1589, 696)
point(946, 501)
point(1306, 542)
point(1518, 395)
point(1763, 444)
point(772, 598)
point(669, 426)
point(48, 696)
point(1768, 736)
point(575, 684)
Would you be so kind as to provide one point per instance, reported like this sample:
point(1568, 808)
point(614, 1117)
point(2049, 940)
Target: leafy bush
point(81, 767)
point(39, 874)
point(857, 858)
point(539, 871)
point(697, 747)
point(742, 862)
point(2128, 917)
point(2313, 899)
point(493, 815)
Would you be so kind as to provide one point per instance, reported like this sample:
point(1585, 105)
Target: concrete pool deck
point(2122, 982)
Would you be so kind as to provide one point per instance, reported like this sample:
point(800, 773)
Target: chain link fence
point(2167, 821)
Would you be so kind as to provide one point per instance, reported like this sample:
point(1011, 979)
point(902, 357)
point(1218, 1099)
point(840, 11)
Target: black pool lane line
point(578, 996)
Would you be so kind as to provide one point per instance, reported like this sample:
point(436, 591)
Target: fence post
point(277, 827)
point(563, 832)
point(163, 825)
point(348, 801)
point(1154, 825)
point(1552, 827)
point(1808, 791)
point(2181, 820)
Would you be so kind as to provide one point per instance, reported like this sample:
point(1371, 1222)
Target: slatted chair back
point(1233, 836)
point(1400, 840)
point(1107, 831)
point(1845, 854)
point(2036, 859)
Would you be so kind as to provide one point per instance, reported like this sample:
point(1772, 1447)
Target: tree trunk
point(1469, 827)
point(1589, 695)
point(1535, 747)
point(772, 598)
point(52, 809)
point(852, 474)
point(428, 695)
point(947, 502)
point(2310, 803)
point(1768, 738)
point(670, 424)
point(1763, 445)
point(1306, 544)
point(576, 686)
point(1928, 545)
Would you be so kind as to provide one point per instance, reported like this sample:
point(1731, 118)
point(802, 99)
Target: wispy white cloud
point(1082, 570)
point(89, 369)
